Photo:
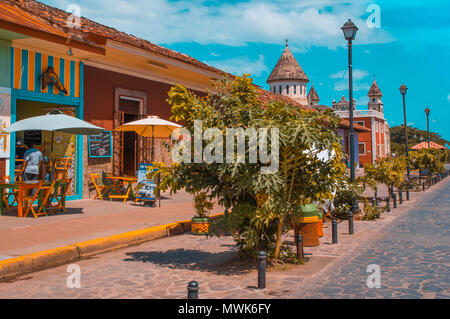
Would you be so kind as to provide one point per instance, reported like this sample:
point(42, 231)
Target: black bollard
point(394, 198)
point(407, 194)
point(388, 204)
point(400, 197)
point(350, 222)
point(192, 289)
point(334, 231)
point(262, 261)
point(423, 186)
point(299, 241)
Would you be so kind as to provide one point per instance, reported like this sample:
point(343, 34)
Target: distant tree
point(415, 136)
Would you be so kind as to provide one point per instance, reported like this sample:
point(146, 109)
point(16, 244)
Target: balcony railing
point(360, 113)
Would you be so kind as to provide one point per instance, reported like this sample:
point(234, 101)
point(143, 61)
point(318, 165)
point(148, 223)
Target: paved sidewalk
point(88, 219)
point(410, 244)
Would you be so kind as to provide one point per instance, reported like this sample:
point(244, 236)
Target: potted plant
point(201, 221)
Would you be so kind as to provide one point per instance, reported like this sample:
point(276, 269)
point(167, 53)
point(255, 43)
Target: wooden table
point(120, 180)
point(22, 188)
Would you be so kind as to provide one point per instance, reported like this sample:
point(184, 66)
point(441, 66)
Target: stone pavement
point(87, 219)
point(410, 244)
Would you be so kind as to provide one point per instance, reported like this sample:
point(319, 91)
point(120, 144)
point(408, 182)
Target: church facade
point(288, 79)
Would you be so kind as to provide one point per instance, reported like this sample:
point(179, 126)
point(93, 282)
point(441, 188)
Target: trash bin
point(320, 224)
point(308, 226)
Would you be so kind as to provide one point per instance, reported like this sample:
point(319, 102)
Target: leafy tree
point(415, 136)
point(389, 171)
point(431, 159)
point(261, 204)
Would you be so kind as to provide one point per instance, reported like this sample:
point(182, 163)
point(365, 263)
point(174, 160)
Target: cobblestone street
point(410, 244)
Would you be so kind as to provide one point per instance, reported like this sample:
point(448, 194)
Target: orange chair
point(19, 171)
point(60, 189)
point(102, 189)
point(61, 166)
point(29, 199)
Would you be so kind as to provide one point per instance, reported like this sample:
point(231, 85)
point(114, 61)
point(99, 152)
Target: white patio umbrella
point(152, 126)
point(55, 121)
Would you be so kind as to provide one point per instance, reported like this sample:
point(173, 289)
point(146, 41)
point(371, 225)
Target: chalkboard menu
point(100, 145)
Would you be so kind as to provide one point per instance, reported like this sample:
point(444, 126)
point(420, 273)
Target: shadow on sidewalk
point(51, 212)
point(222, 263)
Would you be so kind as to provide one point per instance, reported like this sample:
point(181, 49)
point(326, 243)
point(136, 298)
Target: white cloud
point(304, 23)
point(240, 65)
point(342, 80)
point(357, 74)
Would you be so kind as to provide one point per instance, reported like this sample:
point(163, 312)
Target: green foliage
point(415, 136)
point(302, 177)
point(202, 205)
point(431, 159)
point(348, 193)
point(372, 211)
point(389, 171)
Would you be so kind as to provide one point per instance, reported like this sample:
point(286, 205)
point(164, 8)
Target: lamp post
point(427, 112)
point(350, 29)
point(403, 90)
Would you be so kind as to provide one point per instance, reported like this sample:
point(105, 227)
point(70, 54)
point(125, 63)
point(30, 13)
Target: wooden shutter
point(118, 144)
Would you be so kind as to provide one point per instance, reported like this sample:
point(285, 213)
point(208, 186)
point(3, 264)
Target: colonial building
point(376, 143)
point(289, 80)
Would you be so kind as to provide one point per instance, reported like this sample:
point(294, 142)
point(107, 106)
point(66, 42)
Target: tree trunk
point(279, 233)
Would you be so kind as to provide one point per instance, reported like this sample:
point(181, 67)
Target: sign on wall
point(5, 121)
point(100, 145)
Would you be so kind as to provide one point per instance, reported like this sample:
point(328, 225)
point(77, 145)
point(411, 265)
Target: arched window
point(287, 89)
point(280, 89)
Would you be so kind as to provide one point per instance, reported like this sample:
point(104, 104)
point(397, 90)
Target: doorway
point(130, 109)
point(129, 148)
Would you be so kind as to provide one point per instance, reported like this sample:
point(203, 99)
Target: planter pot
point(308, 227)
point(200, 225)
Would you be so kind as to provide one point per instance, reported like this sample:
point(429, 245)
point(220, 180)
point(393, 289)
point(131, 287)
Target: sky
point(397, 42)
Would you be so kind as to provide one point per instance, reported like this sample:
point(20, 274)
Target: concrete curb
point(13, 267)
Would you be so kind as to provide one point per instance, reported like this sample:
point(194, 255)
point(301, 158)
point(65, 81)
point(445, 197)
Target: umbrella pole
point(153, 140)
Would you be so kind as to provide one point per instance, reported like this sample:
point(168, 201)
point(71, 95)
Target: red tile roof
point(93, 31)
point(54, 20)
point(425, 145)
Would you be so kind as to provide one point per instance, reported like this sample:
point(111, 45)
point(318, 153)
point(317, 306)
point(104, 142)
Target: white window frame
point(364, 144)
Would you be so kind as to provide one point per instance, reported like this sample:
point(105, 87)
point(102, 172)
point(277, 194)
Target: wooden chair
point(102, 189)
point(11, 192)
point(44, 196)
point(29, 199)
point(61, 166)
point(60, 189)
point(18, 172)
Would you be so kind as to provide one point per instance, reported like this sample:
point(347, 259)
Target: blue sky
point(411, 46)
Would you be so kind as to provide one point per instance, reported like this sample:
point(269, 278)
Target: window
point(376, 126)
point(287, 89)
point(295, 89)
point(362, 148)
point(280, 89)
point(382, 127)
point(359, 122)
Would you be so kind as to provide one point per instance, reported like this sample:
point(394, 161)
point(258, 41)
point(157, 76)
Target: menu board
point(100, 145)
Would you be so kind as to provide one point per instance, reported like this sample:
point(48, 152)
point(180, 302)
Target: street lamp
point(350, 29)
point(403, 90)
point(427, 112)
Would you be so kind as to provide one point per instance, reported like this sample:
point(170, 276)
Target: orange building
point(376, 143)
